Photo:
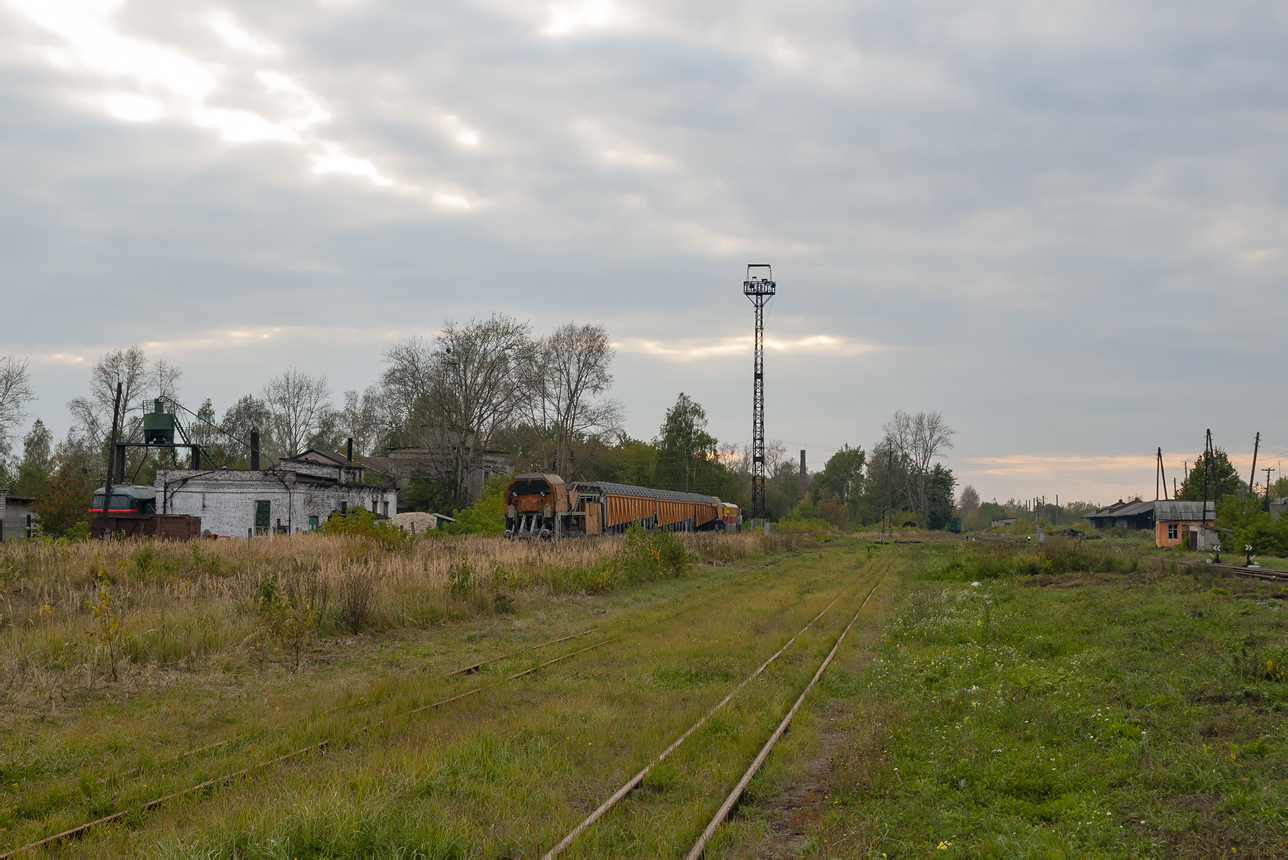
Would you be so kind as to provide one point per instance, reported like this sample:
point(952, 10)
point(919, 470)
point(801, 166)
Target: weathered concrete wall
point(225, 501)
point(13, 518)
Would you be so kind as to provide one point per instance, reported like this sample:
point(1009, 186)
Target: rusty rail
point(634, 781)
point(738, 789)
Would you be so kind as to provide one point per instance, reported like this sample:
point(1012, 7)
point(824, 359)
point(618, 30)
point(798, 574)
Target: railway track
point(258, 764)
point(1263, 574)
point(736, 794)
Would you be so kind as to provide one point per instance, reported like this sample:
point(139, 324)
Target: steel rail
point(736, 794)
point(469, 670)
point(151, 804)
point(634, 781)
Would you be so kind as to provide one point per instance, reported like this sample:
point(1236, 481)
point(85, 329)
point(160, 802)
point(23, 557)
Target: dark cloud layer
point(1063, 225)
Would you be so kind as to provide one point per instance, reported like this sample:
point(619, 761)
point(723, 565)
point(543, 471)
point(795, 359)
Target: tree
point(566, 382)
point(297, 405)
point(939, 496)
point(15, 394)
point(685, 450)
point(65, 503)
point(140, 383)
point(831, 508)
point(967, 503)
point(467, 385)
point(842, 475)
point(37, 461)
point(247, 414)
point(363, 419)
point(916, 440)
point(1222, 478)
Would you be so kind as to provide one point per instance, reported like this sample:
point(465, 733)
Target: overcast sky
point(1063, 225)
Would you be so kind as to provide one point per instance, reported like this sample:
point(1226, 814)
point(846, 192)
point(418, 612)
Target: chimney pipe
point(349, 445)
point(254, 450)
point(196, 457)
point(804, 474)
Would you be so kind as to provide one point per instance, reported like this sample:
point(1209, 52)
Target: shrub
point(647, 555)
point(362, 523)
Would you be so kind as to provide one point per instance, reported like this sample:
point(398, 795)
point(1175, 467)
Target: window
point(1172, 531)
point(262, 516)
point(313, 523)
point(386, 507)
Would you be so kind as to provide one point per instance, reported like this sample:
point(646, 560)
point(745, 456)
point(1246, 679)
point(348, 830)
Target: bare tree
point(15, 394)
point(140, 383)
point(363, 418)
point(297, 404)
point(968, 500)
point(467, 386)
point(916, 440)
point(566, 379)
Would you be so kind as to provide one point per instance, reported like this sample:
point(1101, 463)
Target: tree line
point(479, 386)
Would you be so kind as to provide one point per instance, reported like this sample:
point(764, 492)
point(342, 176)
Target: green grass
point(1007, 718)
point(504, 773)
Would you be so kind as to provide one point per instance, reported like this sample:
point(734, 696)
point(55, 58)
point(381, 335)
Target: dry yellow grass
point(74, 614)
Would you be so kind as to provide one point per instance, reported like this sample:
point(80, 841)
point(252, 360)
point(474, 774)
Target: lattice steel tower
point(760, 288)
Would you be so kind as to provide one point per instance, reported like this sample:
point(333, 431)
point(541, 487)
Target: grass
point(1070, 702)
point(504, 772)
point(199, 605)
point(1063, 699)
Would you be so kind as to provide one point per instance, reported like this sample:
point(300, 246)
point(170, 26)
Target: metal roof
point(1121, 509)
point(644, 493)
point(1173, 510)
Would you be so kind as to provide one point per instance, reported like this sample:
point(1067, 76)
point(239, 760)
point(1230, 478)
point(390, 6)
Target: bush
point(362, 523)
point(646, 555)
point(487, 515)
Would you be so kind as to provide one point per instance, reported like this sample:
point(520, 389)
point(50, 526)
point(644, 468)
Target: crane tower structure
point(759, 287)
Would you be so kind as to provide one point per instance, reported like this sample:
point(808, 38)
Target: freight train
point(542, 506)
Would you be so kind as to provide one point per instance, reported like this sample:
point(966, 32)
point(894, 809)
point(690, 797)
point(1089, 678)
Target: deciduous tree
point(15, 394)
point(297, 407)
point(566, 404)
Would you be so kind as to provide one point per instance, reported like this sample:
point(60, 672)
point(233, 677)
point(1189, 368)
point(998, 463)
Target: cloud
point(1062, 226)
point(818, 344)
point(236, 37)
point(197, 91)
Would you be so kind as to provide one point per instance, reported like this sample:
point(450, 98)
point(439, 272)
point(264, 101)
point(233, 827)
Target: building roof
point(1121, 509)
point(338, 460)
point(1174, 510)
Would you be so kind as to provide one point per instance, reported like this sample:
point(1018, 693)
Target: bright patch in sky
point(336, 161)
point(611, 148)
point(92, 43)
point(223, 24)
point(569, 19)
point(132, 108)
point(818, 343)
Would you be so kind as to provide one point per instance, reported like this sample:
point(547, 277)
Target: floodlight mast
point(759, 287)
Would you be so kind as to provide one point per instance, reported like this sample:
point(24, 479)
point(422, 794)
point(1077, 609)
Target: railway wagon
point(732, 518)
point(617, 507)
point(538, 505)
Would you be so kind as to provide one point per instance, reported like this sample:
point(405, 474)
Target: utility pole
point(111, 457)
point(1268, 470)
point(1252, 481)
point(759, 287)
point(1207, 462)
point(885, 511)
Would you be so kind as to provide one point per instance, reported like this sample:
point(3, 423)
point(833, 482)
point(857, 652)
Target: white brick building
point(296, 496)
point(16, 518)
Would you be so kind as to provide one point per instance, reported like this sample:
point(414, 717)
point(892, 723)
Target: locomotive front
point(533, 503)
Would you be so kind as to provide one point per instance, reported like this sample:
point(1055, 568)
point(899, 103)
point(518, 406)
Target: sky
point(1064, 226)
